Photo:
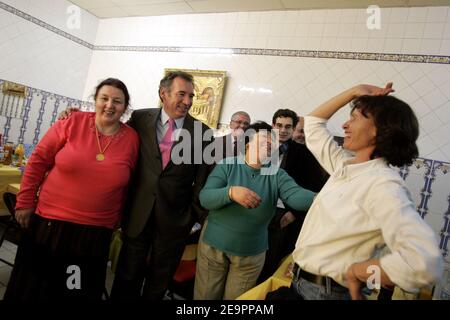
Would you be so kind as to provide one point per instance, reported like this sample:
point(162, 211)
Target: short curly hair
point(397, 128)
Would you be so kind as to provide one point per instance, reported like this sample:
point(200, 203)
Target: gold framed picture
point(208, 88)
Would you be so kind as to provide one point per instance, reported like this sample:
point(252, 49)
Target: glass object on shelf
point(8, 150)
point(18, 155)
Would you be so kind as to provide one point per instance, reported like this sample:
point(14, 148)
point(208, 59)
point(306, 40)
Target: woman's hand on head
point(369, 90)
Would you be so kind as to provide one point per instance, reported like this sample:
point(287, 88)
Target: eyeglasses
point(280, 126)
point(244, 123)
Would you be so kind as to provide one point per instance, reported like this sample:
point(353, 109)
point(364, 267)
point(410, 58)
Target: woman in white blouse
point(365, 204)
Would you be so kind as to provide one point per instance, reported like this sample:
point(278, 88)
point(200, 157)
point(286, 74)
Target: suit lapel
point(285, 155)
point(151, 125)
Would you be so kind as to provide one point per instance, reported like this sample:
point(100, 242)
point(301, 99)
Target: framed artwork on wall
point(208, 89)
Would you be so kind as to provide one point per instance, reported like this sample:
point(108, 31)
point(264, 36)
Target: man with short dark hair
point(163, 200)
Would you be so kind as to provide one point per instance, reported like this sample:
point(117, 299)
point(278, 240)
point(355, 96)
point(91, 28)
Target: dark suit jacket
point(171, 194)
point(303, 167)
point(225, 144)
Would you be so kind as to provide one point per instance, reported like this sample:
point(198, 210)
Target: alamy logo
point(374, 20)
point(74, 280)
point(74, 19)
point(374, 280)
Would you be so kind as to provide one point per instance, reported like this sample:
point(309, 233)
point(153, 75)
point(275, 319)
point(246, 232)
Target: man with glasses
point(231, 144)
point(301, 165)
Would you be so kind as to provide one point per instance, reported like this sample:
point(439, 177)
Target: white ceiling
point(132, 8)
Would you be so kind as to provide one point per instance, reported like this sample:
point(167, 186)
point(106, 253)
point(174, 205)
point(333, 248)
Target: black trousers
point(60, 260)
point(281, 243)
point(147, 263)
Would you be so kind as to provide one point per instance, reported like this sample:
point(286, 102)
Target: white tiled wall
point(423, 30)
point(43, 59)
point(37, 57)
point(58, 13)
point(290, 82)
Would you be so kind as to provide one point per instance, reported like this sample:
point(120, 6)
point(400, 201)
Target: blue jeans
point(311, 291)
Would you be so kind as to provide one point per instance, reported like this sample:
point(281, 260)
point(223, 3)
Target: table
point(8, 175)
point(13, 188)
point(279, 279)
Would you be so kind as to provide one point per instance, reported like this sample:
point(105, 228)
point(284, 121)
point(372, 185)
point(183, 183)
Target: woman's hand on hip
point(23, 216)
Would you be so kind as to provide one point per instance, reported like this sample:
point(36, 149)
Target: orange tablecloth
point(277, 280)
point(280, 279)
point(13, 188)
point(8, 175)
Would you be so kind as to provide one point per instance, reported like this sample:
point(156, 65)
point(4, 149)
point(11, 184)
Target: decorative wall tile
point(429, 184)
point(440, 202)
point(40, 111)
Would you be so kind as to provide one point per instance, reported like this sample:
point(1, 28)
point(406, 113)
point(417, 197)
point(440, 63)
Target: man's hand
point(23, 216)
point(66, 113)
point(358, 274)
point(286, 219)
point(353, 284)
point(245, 197)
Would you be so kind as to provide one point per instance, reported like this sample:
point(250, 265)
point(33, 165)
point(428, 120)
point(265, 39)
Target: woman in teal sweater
point(241, 195)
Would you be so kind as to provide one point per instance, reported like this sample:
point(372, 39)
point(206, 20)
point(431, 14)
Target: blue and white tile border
point(368, 56)
point(33, 93)
point(45, 25)
point(444, 234)
point(26, 116)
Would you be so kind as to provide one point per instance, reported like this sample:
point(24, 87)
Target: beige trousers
point(223, 276)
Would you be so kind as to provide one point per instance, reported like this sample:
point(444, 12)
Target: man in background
point(232, 144)
point(299, 135)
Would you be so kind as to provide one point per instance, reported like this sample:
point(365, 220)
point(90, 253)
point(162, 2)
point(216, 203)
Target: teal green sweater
point(239, 231)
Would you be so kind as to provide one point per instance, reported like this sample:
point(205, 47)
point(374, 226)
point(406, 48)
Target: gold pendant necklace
point(101, 155)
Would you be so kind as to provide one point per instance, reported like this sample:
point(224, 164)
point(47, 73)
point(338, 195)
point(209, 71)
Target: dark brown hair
point(116, 83)
point(166, 82)
point(397, 128)
point(285, 113)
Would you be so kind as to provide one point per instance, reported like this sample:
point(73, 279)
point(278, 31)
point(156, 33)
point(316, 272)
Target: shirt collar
point(164, 118)
point(353, 170)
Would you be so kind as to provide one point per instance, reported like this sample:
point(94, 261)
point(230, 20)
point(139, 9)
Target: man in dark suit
point(163, 199)
point(230, 143)
point(301, 165)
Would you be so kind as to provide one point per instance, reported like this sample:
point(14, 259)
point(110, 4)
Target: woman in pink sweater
point(71, 197)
